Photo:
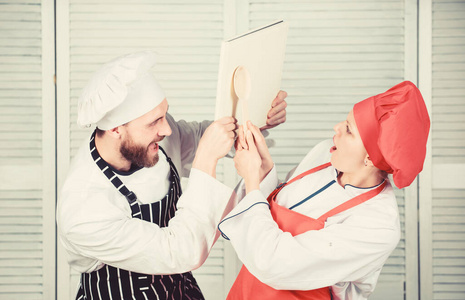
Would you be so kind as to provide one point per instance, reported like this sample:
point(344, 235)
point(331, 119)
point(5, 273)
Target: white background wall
point(338, 52)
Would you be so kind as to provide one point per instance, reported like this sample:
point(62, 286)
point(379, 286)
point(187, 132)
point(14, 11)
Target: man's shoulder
point(81, 177)
point(82, 171)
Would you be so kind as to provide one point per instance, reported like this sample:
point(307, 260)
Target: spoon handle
point(245, 114)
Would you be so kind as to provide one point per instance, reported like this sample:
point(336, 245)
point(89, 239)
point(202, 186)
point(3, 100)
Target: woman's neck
point(362, 179)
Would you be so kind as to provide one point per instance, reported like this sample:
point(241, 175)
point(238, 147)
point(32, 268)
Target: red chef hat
point(394, 127)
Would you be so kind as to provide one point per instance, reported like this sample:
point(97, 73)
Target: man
point(121, 216)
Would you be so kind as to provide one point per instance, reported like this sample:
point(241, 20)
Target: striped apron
point(114, 283)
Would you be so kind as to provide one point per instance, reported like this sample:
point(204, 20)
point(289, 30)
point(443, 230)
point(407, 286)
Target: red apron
point(247, 286)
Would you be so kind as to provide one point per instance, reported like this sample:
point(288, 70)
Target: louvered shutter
point(27, 151)
point(187, 37)
point(338, 53)
point(448, 152)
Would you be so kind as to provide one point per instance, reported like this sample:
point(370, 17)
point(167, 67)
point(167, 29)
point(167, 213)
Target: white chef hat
point(119, 92)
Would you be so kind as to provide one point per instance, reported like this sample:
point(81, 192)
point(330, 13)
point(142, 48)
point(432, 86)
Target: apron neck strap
point(274, 194)
point(114, 179)
point(314, 170)
point(344, 206)
point(354, 202)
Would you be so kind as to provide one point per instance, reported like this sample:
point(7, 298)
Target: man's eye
point(155, 122)
point(348, 130)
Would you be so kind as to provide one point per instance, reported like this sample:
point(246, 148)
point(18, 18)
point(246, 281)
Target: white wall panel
point(27, 156)
point(448, 244)
point(448, 86)
point(447, 235)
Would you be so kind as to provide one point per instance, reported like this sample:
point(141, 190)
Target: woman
point(331, 227)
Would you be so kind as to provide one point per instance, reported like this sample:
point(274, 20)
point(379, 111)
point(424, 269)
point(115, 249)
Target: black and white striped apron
point(114, 283)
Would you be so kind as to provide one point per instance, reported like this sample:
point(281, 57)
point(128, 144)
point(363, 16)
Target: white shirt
point(347, 254)
point(95, 224)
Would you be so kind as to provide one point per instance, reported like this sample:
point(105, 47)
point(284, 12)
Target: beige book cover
point(261, 52)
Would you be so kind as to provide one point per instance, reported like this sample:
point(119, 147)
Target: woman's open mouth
point(333, 148)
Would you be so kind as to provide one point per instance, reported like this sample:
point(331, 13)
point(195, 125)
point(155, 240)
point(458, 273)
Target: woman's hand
point(215, 143)
point(248, 162)
point(260, 144)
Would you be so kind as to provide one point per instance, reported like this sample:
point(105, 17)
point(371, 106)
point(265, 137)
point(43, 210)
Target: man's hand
point(215, 143)
point(277, 113)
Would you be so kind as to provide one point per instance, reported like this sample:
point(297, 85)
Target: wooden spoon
point(242, 90)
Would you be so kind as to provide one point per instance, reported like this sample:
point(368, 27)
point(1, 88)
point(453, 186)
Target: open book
point(261, 52)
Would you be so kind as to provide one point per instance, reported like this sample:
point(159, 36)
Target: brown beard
point(137, 154)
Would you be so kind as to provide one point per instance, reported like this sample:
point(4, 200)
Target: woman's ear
point(368, 162)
